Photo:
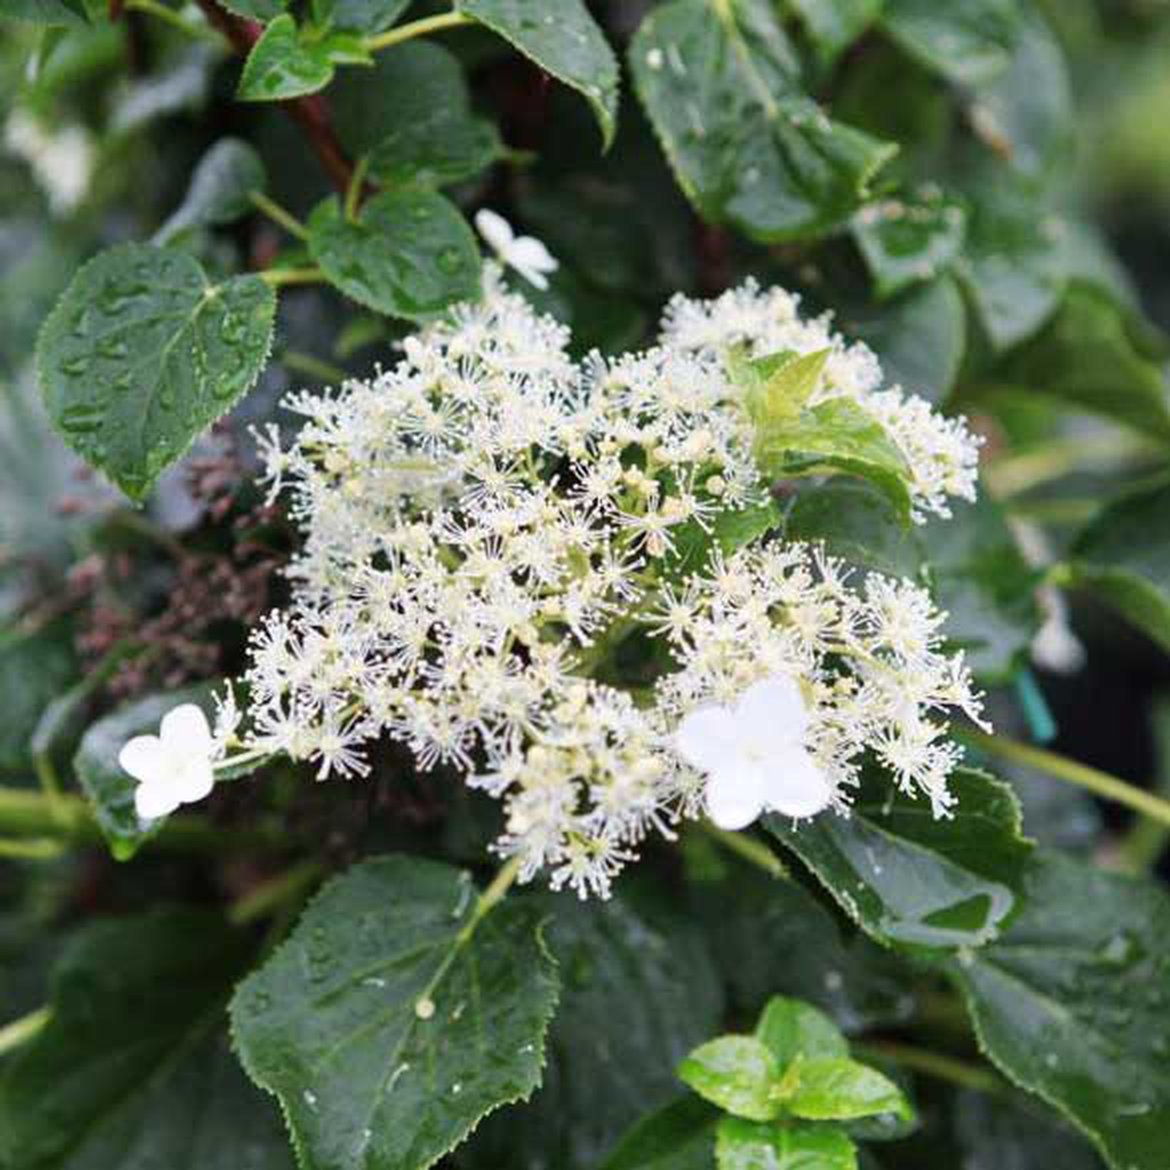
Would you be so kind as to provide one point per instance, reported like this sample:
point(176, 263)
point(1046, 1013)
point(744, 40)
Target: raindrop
point(310, 1098)
point(654, 59)
point(424, 1008)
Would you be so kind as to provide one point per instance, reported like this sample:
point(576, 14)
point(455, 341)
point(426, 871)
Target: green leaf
point(1092, 356)
point(564, 40)
point(386, 1028)
point(67, 13)
point(679, 1137)
point(830, 1088)
point(219, 190)
point(737, 1073)
point(792, 1029)
point(1014, 267)
point(913, 881)
point(908, 241)
point(143, 352)
point(110, 789)
point(979, 576)
point(833, 25)
point(35, 667)
point(836, 436)
point(408, 253)
point(1123, 557)
point(368, 16)
point(433, 137)
point(748, 1145)
point(258, 10)
point(1002, 1133)
point(132, 1071)
point(747, 145)
point(776, 387)
point(1071, 1004)
point(967, 41)
point(290, 62)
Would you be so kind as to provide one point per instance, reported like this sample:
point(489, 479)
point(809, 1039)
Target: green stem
point(305, 363)
point(282, 276)
point(750, 849)
point(933, 1064)
point(416, 28)
point(152, 8)
point(278, 215)
point(22, 1030)
point(353, 193)
point(31, 848)
point(272, 895)
point(1093, 780)
point(500, 885)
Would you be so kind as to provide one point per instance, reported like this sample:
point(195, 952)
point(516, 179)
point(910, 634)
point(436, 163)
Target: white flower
point(173, 767)
point(754, 755)
point(524, 253)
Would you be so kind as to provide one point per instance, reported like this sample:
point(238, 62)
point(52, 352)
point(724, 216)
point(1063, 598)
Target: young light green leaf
point(109, 788)
point(564, 40)
point(836, 436)
point(833, 1088)
point(967, 41)
point(833, 25)
point(419, 1027)
point(289, 62)
point(748, 147)
point(776, 387)
point(679, 1137)
point(911, 880)
point(737, 1073)
point(132, 1071)
point(1071, 1004)
point(792, 1028)
point(749, 1145)
point(408, 253)
point(143, 352)
point(223, 179)
point(1123, 557)
point(907, 241)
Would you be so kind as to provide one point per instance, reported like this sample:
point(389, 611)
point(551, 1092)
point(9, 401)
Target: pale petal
point(155, 800)
point(735, 796)
point(144, 757)
point(534, 278)
point(796, 786)
point(495, 229)
point(194, 780)
point(772, 711)
point(186, 732)
point(527, 252)
point(706, 737)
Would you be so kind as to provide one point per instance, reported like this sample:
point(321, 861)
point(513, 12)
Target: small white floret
point(526, 254)
point(173, 767)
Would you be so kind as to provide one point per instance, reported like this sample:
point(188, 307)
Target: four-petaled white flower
point(524, 253)
point(173, 767)
point(754, 755)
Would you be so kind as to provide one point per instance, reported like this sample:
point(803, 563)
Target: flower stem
point(153, 8)
point(1099, 783)
point(492, 896)
point(21, 1031)
point(281, 276)
point(750, 849)
point(275, 893)
point(312, 367)
point(934, 1064)
point(279, 215)
point(31, 848)
point(353, 194)
point(416, 28)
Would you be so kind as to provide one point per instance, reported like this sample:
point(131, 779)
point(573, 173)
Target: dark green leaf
point(968, 41)
point(1071, 1004)
point(729, 530)
point(259, 10)
point(1091, 356)
point(833, 25)
point(219, 189)
point(908, 241)
point(911, 880)
point(829, 1088)
point(1123, 557)
point(132, 1071)
point(110, 789)
point(368, 16)
point(386, 1030)
point(679, 1137)
point(143, 352)
point(792, 1028)
point(747, 145)
point(564, 40)
point(35, 667)
point(408, 253)
point(836, 436)
point(996, 1133)
point(979, 576)
point(737, 1073)
point(748, 1145)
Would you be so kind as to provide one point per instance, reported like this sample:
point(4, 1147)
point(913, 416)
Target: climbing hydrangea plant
point(688, 478)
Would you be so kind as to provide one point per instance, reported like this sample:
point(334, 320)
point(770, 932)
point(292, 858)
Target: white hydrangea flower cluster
point(489, 575)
